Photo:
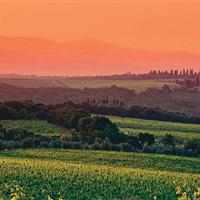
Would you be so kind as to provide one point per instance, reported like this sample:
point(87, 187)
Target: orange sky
point(144, 25)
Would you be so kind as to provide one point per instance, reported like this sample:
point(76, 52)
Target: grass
point(36, 126)
point(137, 85)
point(157, 128)
point(40, 174)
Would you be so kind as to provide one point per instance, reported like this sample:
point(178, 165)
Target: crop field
point(38, 127)
point(157, 128)
point(127, 125)
point(137, 85)
point(29, 83)
point(68, 174)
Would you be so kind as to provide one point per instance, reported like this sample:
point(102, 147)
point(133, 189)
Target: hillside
point(38, 127)
point(182, 101)
point(158, 128)
point(81, 83)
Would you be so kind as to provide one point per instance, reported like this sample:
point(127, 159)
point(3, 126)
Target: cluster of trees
point(153, 74)
point(20, 138)
point(143, 142)
point(142, 112)
point(189, 83)
point(87, 131)
point(181, 99)
point(70, 115)
point(193, 145)
point(87, 128)
point(180, 73)
point(106, 101)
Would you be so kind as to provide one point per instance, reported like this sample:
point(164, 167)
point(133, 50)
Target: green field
point(137, 85)
point(127, 125)
point(38, 127)
point(60, 174)
point(157, 128)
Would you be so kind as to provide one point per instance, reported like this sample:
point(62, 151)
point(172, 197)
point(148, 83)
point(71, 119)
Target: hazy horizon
point(86, 57)
point(73, 38)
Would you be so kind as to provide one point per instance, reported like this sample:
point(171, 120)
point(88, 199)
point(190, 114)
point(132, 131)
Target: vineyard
point(60, 174)
point(38, 127)
point(127, 125)
point(157, 128)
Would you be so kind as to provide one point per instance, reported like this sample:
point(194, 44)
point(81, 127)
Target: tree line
point(96, 131)
point(137, 111)
point(89, 131)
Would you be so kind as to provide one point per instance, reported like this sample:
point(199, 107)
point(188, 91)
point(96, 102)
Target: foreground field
point(59, 174)
point(137, 85)
point(157, 128)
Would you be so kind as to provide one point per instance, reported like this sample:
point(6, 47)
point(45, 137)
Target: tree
point(169, 140)
point(146, 138)
point(7, 112)
point(83, 124)
point(23, 114)
point(76, 115)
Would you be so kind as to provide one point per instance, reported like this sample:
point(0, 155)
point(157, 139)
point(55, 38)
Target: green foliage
point(193, 145)
point(42, 174)
point(146, 138)
point(38, 127)
point(169, 140)
point(157, 128)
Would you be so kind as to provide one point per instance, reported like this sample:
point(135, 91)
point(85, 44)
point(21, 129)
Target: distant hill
point(180, 101)
point(26, 55)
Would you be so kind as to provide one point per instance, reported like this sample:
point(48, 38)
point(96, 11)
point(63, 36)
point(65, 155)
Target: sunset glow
point(101, 37)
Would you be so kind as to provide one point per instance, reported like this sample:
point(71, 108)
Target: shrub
point(96, 146)
point(44, 144)
point(169, 140)
point(146, 138)
point(83, 124)
point(36, 142)
point(150, 149)
point(54, 144)
point(134, 141)
point(17, 134)
point(11, 144)
point(76, 145)
point(193, 145)
point(106, 144)
point(28, 142)
point(66, 145)
point(125, 146)
point(115, 147)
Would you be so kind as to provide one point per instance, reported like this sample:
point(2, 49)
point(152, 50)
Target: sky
point(154, 26)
